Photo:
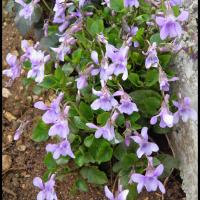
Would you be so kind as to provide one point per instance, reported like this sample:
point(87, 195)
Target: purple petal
point(51, 147)
point(164, 32)
point(96, 104)
point(40, 105)
point(153, 120)
point(41, 195)
point(144, 133)
point(91, 125)
point(160, 21)
point(37, 181)
point(137, 139)
point(139, 152)
point(159, 170)
point(108, 193)
point(161, 187)
point(183, 16)
point(94, 56)
point(122, 195)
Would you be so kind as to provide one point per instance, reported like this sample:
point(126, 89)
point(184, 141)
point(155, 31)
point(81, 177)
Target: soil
point(27, 156)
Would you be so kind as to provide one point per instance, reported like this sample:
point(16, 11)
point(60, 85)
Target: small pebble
point(9, 139)
point(21, 148)
point(6, 162)
point(9, 116)
point(6, 93)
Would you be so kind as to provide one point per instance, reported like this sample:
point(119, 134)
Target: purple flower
point(184, 111)
point(126, 106)
point(15, 67)
point(170, 26)
point(47, 189)
point(94, 56)
point(61, 51)
point(52, 113)
point(175, 2)
point(150, 179)
point(152, 58)
point(27, 9)
point(145, 147)
point(20, 130)
point(38, 60)
point(82, 81)
point(131, 3)
point(105, 71)
point(166, 117)
point(63, 148)
point(119, 59)
point(121, 194)
point(105, 101)
point(163, 80)
point(106, 131)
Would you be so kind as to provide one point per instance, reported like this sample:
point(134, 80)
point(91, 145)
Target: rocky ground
point(23, 160)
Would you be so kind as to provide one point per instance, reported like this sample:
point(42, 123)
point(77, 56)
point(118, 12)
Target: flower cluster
point(104, 71)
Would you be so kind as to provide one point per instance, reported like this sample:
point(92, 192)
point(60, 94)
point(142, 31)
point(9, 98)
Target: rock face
point(184, 137)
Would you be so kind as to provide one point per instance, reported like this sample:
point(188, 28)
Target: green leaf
point(50, 41)
point(120, 151)
point(62, 160)
point(10, 5)
point(102, 118)
point(94, 175)
point(81, 185)
point(48, 82)
point(23, 25)
point(120, 120)
point(101, 150)
point(37, 90)
point(148, 101)
point(116, 5)
point(165, 60)
point(68, 69)
point(169, 163)
point(86, 111)
point(60, 75)
point(76, 56)
point(151, 77)
point(95, 26)
point(79, 123)
point(155, 38)
point(37, 14)
point(126, 162)
point(135, 80)
point(176, 10)
point(159, 130)
point(40, 132)
point(49, 161)
point(137, 58)
point(133, 194)
point(79, 158)
point(53, 29)
point(89, 140)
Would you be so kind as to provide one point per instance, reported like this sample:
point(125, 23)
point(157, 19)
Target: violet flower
point(121, 194)
point(52, 113)
point(170, 25)
point(185, 112)
point(105, 101)
point(145, 147)
point(28, 9)
point(38, 60)
point(150, 179)
point(106, 131)
point(166, 117)
point(47, 189)
point(130, 3)
point(15, 67)
point(119, 59)
point(152, 58)
point(63, 148)
point(164, 81)
point(175, 2)
point(126, 105)
point(107, 2)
